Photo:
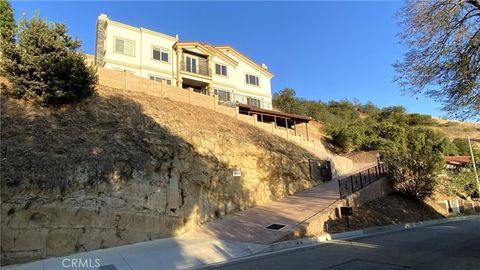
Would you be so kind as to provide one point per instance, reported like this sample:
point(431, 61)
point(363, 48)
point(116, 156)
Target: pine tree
point(45, 64)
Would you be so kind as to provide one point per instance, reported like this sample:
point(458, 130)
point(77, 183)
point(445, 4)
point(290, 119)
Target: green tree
point(415, 166)
point(443, 60)
point(285, 100)
point(349, 138)
point(383, 136)
point(45, 64)
point(7, 22)
point(463, 183)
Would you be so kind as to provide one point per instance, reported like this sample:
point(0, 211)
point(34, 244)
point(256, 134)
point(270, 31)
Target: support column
point(295, 127)
point(306, 129)
point(209, 65)
point(179, 67)
point(286, 126)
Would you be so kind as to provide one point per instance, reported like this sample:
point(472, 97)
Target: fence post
point(125, 85)
point(237, 112)
point(369, 177)
point(351, 183)
point(340, 189)
point(361, 180)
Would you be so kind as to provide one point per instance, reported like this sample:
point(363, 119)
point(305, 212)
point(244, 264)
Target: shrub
point(350, 138)
point(45, 65)
point(416, 119)
point(383, 135)
point(415, 166)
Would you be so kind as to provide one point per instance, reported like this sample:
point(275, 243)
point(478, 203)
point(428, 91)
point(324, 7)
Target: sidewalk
point(233, 236)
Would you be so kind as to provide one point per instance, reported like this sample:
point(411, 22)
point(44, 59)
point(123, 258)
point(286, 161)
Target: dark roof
point(457, 160)
point(290, 116)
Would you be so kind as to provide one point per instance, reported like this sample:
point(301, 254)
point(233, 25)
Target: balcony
point(201, 68)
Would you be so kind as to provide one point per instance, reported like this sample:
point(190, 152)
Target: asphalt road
point(454, 245)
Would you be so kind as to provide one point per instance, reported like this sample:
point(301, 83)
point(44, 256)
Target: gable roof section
point(228, 48)
point(207, 49)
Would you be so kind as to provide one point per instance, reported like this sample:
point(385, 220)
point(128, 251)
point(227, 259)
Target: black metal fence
point(358, 181)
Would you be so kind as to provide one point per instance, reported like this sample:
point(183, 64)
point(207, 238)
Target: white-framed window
point(159, 79)
point(125, 46)
point(191, 63)
point(223, 95)
point(255, 102)
point(252, 79)
point(221, 70)
point(161, 54)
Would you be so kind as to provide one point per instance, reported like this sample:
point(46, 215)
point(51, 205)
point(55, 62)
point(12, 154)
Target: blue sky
point(323, 50)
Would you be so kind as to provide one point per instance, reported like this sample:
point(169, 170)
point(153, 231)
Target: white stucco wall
point(143, 64)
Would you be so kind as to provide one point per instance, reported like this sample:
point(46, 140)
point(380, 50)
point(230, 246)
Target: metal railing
point(242, 99)
point(360, 180)
point(200, 68)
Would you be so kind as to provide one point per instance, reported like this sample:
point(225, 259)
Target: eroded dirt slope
point(121, 168)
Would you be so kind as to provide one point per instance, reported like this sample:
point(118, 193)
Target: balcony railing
point(252, 101)
point(201, 68)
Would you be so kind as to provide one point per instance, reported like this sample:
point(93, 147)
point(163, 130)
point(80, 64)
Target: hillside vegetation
point(353, 126)
point(120, 168)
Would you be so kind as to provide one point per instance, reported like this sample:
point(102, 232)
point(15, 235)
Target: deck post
point(286, 126)
point(306, 129)
point(295, 127)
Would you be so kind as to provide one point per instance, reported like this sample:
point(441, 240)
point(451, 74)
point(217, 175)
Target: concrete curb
point(359, 233)
point(313, 241)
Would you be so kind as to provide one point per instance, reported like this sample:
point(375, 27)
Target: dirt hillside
point(124, 167)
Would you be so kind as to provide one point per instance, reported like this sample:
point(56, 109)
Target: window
point(125, 46)
point(222, 95)
point(159, 79)
point(220, 69)
point(251, 79)
point(160, 54)
point(191, 64)
point(253, 102)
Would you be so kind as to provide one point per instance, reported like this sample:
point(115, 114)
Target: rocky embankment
point(121, 168)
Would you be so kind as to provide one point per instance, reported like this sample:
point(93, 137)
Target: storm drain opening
point(275, 226)
point(108, 267)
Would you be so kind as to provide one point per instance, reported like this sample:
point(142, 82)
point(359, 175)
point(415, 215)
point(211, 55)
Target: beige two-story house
point(204, 68)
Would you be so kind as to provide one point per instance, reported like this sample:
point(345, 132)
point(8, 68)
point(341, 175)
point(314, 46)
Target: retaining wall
point(315, 224)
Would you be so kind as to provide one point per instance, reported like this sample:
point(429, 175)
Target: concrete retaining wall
point(315, 224)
